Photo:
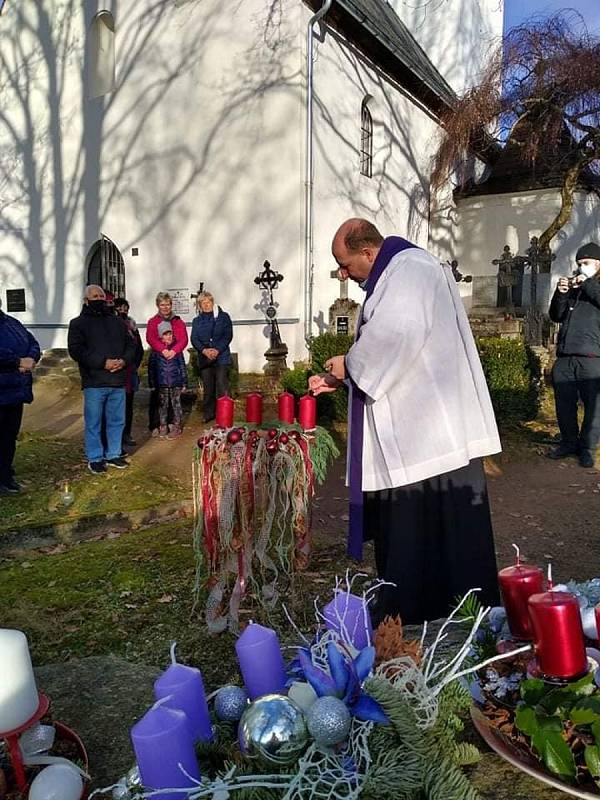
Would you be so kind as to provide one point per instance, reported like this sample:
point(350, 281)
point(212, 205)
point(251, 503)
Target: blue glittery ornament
point(230, 703)
point(328, 721)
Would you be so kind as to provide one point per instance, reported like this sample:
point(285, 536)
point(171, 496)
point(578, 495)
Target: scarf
point(392, 245)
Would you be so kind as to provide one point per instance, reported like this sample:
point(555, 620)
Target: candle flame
point(173, 646)
point(550, 583)
point(516, 546)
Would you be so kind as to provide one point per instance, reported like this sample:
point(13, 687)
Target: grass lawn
point(44, 463)
point(132, 595)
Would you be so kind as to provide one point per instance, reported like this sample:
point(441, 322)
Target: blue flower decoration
point(345, 681)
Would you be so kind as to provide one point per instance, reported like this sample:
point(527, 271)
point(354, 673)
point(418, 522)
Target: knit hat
point(589, 250)
point(164, 327)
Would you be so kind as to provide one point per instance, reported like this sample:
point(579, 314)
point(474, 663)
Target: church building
point(161, 145)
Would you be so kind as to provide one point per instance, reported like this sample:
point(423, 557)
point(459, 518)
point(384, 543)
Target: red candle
point(285, 405)
point(557, 634)
point(517, 584)
point(254, 403)
point(597, 615)
point(224, 415)
point(307, 412)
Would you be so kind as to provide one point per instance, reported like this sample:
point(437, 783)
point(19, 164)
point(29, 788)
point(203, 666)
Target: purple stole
point(392, 245)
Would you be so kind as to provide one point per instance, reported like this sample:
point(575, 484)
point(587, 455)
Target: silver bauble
point(230, 703)
point(328, 721)
point(273, 730)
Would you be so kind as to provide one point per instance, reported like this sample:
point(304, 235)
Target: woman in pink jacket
point(164, 304)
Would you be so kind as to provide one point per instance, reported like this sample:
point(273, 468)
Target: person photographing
point(576, 372)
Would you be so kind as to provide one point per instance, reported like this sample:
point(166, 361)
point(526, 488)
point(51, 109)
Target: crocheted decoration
point(252, 501)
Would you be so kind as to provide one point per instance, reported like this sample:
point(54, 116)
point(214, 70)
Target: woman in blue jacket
point(19, 353)
point(212, 333)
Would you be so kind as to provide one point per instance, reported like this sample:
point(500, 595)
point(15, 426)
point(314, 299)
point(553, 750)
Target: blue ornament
point(328, 721)
point(230, 703)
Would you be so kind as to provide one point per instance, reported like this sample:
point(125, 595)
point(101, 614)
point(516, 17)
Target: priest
point(420, 422)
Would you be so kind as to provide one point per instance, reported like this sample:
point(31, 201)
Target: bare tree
point(540, 96)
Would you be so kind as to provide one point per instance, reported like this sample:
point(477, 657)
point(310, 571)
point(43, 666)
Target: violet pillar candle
point(349, 616)
point(162, 740)
point(183, 689)
point(260, 660)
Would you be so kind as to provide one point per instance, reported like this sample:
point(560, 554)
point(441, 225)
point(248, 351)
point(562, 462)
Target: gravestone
point(485, 291)
point(343, 313)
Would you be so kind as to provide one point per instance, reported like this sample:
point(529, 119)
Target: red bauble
point(295, 435)
point(272, 432)
point(234, 436)
point(284, 438)
point(272, 446)
point(201, 442)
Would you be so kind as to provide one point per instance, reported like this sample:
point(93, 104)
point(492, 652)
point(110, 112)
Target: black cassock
point(434, 540)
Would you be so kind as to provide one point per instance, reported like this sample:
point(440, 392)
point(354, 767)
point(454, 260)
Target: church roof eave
point(376, 29)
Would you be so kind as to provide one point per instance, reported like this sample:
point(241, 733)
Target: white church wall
point(396, 197)
point(457, 35)
point(194, 159)
point(485, 224)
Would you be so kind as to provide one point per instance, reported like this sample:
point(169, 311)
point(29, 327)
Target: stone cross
point(343, 284)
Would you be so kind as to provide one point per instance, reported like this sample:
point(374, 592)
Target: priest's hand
point(324, 382)
point(336, 366)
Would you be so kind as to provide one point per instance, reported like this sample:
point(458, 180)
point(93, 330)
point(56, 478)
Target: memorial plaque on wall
point(15, 300)
point(181, 301)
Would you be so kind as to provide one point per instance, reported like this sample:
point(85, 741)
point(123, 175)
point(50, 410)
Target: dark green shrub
point(513, 375)
point(327, 345)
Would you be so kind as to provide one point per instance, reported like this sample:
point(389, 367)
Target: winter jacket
point(179, 333)
point(213, 329)
point(95, 336)
point(15, 343)
point(166, 372)
point(132, 381)
point(578, 311)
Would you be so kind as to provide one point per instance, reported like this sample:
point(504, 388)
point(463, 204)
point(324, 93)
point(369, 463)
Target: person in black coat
point(19, 353)
point(103, 348)
point(576, 372)
point(212, 332)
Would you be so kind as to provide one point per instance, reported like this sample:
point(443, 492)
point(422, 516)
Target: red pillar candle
point(597, 614)
point(557, 634)
point(224, 415)
point(517, 584)
point(254, 411)
point(285, 406)
point(307, 412)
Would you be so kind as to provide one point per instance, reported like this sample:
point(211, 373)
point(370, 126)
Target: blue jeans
point(110, 404)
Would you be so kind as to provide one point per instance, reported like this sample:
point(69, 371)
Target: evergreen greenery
point(511, 368)
point(513, 375)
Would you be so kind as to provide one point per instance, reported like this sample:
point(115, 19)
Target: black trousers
point(11, 416)
point(128, 413)
point(215, 383)
point(577, 378)
point(433, 540)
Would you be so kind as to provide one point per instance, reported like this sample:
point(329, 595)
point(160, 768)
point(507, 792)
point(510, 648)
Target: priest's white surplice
point(427, 409)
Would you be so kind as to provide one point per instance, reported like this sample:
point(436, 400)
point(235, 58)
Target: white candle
point(18, 691)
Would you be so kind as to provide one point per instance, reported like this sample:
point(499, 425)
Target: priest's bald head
point(355, 247)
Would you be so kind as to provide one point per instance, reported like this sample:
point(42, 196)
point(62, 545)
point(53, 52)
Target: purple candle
point(183, 689)
point(348, 615)
point(162, 740)
point(260, 660)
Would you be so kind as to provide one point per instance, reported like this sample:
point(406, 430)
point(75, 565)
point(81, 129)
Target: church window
point(101, 55)
point(366, 139)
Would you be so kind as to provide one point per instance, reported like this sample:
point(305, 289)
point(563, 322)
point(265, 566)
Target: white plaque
point(181, 301)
